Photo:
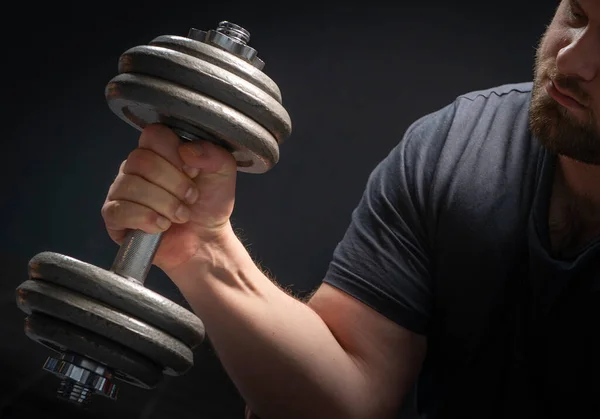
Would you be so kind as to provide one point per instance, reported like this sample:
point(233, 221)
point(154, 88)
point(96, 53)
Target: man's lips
point(563, 97)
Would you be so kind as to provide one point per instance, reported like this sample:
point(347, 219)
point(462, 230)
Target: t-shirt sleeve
point(385, 256)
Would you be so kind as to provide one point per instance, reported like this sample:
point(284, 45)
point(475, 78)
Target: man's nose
point(580, 57)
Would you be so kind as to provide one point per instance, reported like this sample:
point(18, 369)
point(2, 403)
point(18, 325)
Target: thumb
point(214, 171)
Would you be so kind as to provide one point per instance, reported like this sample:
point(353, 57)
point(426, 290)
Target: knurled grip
point(134, 258)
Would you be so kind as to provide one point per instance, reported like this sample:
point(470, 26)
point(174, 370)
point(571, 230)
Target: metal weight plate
point(56, 301)
point(123, 294)
point(211, 80)
point(141, 100)
point(223, 59)
point(61, 336)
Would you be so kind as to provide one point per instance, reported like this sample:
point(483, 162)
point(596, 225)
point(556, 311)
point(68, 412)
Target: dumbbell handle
point(134, 258)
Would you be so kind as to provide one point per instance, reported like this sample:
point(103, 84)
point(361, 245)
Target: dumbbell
point(105, 326)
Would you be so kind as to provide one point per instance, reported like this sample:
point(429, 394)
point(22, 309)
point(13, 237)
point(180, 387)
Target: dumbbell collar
point(229, 37)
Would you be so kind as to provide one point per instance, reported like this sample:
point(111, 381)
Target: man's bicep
point(388, 355)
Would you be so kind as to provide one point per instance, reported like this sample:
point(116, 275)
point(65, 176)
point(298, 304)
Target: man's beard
point(554, 126)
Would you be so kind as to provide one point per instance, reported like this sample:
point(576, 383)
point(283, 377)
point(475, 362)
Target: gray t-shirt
point(450, 240)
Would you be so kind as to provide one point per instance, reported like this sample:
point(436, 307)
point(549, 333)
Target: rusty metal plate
point(142, 100)
point(210, 80)
point(123, 294)
point(171, 354)
point(220, 58)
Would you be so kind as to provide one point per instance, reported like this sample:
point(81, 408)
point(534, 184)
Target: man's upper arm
point(388, 355)
point(376, 297)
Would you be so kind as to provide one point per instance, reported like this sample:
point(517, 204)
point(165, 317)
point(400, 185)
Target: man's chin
point(560, 133)
point(558, 142)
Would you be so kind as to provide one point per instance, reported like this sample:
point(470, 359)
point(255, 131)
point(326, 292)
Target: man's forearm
point(279, 353)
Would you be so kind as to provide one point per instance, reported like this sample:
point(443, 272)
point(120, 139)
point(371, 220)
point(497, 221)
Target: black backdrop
point(353, 77)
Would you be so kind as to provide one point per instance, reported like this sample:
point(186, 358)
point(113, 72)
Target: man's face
point(565, 108)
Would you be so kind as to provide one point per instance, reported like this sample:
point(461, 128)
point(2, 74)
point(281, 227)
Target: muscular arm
point(345, 354)
point(354, 350)
point(331, 358)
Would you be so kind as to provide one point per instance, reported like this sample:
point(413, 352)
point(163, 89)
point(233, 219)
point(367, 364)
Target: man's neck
point(574, 218)
point(582, 181)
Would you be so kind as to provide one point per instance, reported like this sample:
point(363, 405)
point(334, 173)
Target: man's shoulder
point(480, 143)
point(504, 92)
point(495, 108)
point(500, 112)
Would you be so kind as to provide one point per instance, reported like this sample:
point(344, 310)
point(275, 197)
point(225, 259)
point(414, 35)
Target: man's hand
point(186, 190)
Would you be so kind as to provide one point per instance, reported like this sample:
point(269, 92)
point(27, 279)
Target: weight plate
point(211, 80)
point(47, 298)
point(123, 294)
point(63, 337)
point(225, 60)
point(141, 100)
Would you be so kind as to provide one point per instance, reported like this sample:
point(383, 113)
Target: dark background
point(353, 77)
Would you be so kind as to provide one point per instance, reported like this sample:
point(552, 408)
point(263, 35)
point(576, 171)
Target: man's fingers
point(163, 141)
point(125, 215)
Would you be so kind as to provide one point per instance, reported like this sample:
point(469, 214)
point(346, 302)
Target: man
point(471, 267)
